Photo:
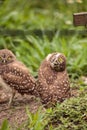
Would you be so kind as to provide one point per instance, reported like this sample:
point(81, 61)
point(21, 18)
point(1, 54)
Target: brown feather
point(52, 85)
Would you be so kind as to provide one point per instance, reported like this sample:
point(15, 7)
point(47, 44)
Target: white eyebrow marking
point(58, 54)
point(48, 57)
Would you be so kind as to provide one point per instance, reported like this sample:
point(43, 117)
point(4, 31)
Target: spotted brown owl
point(15, 74)
point(53, 81)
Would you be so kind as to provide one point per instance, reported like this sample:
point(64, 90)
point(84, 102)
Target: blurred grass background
point(31, 49)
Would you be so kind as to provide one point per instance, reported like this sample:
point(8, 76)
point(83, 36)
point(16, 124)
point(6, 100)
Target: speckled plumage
point(15, 74)
point(53, 81)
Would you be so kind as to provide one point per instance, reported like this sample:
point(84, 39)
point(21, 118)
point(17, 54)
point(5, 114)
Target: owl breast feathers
point(53, 81)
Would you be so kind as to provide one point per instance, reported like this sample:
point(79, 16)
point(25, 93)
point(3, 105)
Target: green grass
point(5, 125)
point(35, 49)
point(43, 14)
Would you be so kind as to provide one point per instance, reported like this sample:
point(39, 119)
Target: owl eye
point(9, 58)
point(0, 58)
point(60, 60)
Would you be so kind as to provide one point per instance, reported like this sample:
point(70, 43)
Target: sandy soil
point(16, 114)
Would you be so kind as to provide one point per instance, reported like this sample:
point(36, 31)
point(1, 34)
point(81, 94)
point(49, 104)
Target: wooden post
point(80, 19)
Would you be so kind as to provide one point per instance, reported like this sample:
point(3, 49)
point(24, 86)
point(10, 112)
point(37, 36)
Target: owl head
point(6, 56)
point(57, 61)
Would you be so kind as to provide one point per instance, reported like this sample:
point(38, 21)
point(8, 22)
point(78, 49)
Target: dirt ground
point(16, 114)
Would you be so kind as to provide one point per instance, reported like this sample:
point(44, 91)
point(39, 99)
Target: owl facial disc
point(58, 62)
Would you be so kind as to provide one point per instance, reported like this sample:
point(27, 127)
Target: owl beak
point(3, 61)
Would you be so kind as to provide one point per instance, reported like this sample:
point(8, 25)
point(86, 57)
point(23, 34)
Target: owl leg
point(12, 97)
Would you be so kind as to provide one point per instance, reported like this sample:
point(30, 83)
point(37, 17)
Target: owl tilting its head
point(53, 81)
point(57, 61)
point(15, 74)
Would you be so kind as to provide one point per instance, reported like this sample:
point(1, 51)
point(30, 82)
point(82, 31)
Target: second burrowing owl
point(15, 74)
point(53, 81)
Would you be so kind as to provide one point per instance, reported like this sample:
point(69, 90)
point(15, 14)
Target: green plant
point(71, 114)
point(37, 120)
point(5, 125)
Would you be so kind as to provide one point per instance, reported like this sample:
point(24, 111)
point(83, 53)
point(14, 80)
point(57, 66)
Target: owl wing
point(18, 77)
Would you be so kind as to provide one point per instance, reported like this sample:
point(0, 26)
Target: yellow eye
point(0, 58)
point(60, 60)
point(9, 58)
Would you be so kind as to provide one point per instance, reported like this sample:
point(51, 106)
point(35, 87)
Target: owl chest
point(4, 69)
point(49, 76)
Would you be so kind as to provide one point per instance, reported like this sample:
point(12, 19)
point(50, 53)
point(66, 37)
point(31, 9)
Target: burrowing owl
point(53, 81)
point(15, 74)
